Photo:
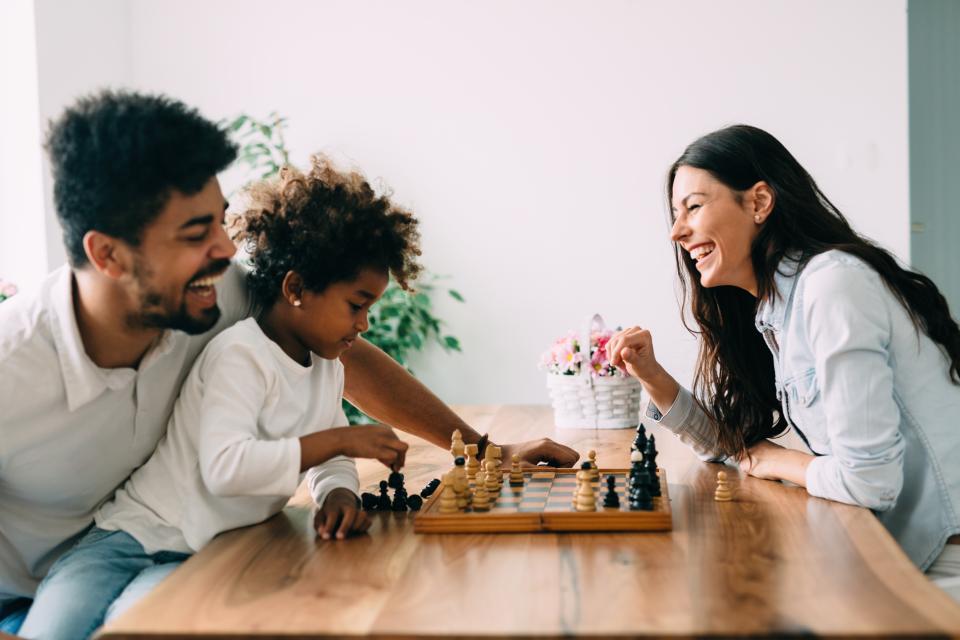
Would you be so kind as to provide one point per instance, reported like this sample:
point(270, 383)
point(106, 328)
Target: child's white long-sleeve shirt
point(231, 455)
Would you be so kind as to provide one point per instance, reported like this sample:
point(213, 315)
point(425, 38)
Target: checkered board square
point(545, 503)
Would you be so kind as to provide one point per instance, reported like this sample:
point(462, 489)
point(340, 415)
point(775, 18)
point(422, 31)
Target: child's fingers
point(364, 522)
point(346, 521)
point(331, 516)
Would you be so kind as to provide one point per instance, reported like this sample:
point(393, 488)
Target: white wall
point(23, 257)
point(532, 137)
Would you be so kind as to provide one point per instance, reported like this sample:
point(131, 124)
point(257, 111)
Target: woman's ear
point(761, 201)
point(292, 288)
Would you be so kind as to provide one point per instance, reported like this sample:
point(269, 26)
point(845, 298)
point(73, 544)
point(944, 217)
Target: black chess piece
point(428, 490)
point(611, 500)
point(650, 451)
point(651, 468)
point(640, 499)
point(395, 480)
point(636, 466)
point(414, 502)
point(640, 442)
point(399, 499)
point(383, 501)
point(369, 501)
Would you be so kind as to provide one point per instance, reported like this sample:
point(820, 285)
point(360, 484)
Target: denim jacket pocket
point(804, 412)
point(802, 389)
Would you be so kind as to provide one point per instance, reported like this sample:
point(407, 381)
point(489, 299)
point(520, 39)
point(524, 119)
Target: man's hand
point(340, 516)
point(772, 462)
point(543, 450)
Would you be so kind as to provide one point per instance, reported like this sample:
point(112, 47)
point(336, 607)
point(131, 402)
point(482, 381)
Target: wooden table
point(773, 562)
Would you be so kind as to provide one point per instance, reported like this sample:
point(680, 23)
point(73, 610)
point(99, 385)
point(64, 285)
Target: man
point(92, 363)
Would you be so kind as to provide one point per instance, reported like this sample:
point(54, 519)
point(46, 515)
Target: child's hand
point(375, 441)
point(340, 516)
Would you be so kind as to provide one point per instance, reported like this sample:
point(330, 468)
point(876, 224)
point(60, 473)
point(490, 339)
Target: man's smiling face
point(181, 255)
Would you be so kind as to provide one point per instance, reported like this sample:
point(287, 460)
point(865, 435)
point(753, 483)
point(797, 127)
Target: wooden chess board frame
point(430, 520)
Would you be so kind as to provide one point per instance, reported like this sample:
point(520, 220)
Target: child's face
point(335, 317)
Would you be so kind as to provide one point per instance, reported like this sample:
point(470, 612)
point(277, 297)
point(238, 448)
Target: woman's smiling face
point(716, 226)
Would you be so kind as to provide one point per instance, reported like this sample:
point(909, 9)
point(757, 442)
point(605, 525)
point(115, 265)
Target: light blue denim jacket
point(869, 394)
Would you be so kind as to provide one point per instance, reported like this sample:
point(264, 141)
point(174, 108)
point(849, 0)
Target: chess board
point(545, 503)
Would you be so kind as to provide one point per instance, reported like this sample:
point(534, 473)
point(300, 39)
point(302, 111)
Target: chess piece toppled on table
point(473, 464)
point(456, 444)
point(368, 501)
point(723, 492)
point(516, 475)
point(610, 499)
point(586, 497)
point(414, 502)
point(428, 490)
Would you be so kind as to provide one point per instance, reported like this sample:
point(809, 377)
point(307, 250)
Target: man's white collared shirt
point(70, 431)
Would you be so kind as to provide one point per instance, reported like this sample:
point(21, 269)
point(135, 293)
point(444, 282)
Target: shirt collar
point(83, 380)
point(772, 312)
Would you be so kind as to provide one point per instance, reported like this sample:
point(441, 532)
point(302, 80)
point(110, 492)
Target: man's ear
point(107, 254)
point(292, 288)
point(762, 200)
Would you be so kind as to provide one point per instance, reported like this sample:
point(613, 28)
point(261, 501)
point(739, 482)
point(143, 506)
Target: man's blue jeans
point(12, 615)
point(99, 578)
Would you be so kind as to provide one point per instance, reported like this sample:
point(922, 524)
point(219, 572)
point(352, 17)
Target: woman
point(866, 357)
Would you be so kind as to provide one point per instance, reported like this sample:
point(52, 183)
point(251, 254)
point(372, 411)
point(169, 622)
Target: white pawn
point(586, 497)
point(481, 499)
point(516, 475)
point(456, 444)
point(492, 478)
point(723, 493)
point(448, 497)
point(594, 469)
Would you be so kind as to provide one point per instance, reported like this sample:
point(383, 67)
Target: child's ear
point(292, 288)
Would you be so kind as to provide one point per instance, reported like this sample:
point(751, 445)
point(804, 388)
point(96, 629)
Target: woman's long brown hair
point(734, 380)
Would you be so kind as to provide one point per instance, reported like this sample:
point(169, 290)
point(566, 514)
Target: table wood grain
point(772, 562)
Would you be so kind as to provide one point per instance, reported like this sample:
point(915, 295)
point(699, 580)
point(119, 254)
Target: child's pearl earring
point(296, 303)
point(757, 219)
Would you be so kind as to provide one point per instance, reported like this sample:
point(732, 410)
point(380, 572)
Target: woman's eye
point(693, 207)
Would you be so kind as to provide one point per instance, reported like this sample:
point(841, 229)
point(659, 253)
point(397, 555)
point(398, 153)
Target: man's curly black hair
point(325, 225)
point(117, 156)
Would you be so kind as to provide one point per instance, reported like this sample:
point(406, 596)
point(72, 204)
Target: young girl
point(865, 355)
point(261, 406)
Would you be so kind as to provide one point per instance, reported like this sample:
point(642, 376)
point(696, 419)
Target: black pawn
point(395, 480)
point(369, 501)
point(414, 502)
point(611, 500)
point(651, 469)
point(383, 501)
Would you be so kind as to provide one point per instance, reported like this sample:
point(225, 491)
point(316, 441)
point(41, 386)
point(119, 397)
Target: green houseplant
point(401, 322)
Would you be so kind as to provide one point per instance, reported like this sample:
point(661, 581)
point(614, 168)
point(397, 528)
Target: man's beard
point(155, 311)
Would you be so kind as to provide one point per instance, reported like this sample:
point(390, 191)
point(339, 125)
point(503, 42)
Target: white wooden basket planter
point(583, 401)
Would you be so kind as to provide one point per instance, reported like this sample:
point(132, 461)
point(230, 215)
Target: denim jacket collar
point(771, 313)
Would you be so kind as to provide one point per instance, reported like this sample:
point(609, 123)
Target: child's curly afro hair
point(326, 225)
